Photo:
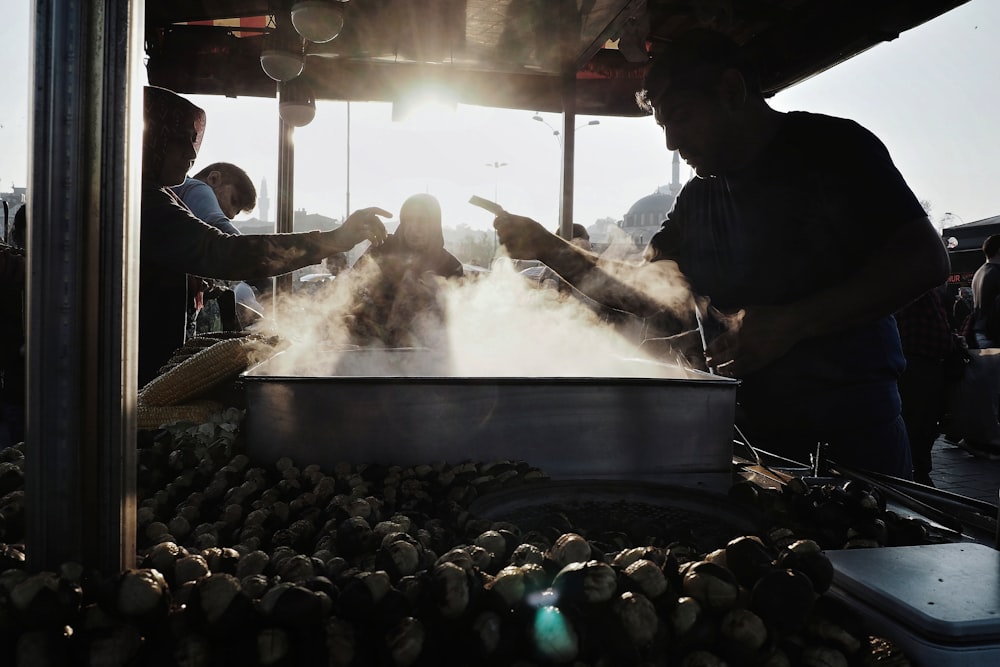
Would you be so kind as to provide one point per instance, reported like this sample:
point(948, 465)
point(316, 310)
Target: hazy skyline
point(930, 95)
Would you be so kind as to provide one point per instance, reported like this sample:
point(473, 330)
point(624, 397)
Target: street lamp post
point(567, 145)
point(496, 177)
point(495, 165)
point(556, 133)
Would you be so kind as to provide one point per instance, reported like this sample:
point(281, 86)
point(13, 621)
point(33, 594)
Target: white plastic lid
point(946, 592)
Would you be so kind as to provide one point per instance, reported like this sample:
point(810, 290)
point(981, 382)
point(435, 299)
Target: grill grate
point(647, 514)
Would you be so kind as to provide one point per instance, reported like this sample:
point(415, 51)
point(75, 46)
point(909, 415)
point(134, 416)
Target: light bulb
point(296, 103)
point(282, 56)
point(318, 21)
point(281, 65)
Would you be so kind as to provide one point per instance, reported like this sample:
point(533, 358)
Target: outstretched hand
point(364, 224)
point(523, 237)
point(755, 336)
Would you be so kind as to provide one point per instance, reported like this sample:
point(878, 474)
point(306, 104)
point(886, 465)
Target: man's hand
point(363, 225)
point(523, 237)
point(755, 336)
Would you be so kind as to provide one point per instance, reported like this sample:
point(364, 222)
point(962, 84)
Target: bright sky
point(931, 95)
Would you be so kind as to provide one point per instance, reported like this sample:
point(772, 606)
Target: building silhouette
point(15, 198)
point(647, 214)
point(263, 202)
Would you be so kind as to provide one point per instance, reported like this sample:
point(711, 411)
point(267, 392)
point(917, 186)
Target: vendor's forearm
point(607, 282)
point(338, 240)
point(570, 262)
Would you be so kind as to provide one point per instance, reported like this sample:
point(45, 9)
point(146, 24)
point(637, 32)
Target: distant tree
point(941, 222)
point(471, 246)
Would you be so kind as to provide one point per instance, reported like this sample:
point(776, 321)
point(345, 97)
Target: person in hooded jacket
point(174, 242)
point(399, 279)
point(417, 245)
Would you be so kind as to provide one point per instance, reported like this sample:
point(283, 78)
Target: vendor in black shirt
point(805, 239)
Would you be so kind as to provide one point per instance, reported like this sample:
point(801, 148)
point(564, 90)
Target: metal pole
point(568, 157)
point(496, 164)
point(347, 212)
point(285, 202)
point(83, 208)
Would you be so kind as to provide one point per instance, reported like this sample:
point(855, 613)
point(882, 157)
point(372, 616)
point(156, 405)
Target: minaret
point(263, 201)
point(675, 181)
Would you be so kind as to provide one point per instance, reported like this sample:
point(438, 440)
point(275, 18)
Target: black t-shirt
point(804, 216)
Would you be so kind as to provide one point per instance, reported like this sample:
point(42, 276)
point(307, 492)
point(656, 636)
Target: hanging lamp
point(318, 21)
point(296, 102)
point(283, 54)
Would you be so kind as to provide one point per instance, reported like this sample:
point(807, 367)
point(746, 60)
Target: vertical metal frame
point(83, 221)
point(285, 202)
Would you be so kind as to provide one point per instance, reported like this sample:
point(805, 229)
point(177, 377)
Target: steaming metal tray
point(639, 427)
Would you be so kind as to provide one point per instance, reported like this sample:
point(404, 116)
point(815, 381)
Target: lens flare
point(553, 636)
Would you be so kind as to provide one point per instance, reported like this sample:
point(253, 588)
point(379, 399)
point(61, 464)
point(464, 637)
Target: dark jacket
point(175, 243)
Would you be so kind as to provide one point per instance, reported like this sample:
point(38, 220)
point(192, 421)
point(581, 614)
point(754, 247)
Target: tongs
point(887, 485)
point(951, 510)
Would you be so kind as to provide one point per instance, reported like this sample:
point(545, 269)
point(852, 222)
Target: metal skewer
point(704, 342)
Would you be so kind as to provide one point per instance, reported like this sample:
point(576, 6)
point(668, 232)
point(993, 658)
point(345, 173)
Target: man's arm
point(644, 290)
point(911, 261)
point(173, 237)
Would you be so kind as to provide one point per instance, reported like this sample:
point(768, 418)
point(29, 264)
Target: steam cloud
point(497, 325)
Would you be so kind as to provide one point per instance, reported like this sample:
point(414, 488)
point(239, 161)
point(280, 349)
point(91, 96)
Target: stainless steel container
point(647, 426)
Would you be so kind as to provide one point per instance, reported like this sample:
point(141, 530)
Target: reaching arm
point(174, 238)
point(911, 261)
point(641, 289)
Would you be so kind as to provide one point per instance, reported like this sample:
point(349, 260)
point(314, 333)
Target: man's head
point(580, 237)
point(232, 186)
point(171, 136)
point(991, 246)
point(699, 88)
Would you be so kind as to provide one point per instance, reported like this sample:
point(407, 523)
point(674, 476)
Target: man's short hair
point(991, 246)
point(233, 175)
point(578, 232)
point(695, 60)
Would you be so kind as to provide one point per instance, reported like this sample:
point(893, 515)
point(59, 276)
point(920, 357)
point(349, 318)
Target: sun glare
point(428, 109)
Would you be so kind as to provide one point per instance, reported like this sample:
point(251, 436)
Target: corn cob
point(197, 374)
point(199, 342)
point(154, 416)
point(217, 335)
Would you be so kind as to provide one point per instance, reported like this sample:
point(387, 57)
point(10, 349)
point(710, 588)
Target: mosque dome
point(646, 215)
point(658, 203)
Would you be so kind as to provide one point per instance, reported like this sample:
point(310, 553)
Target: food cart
point(81, 480)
